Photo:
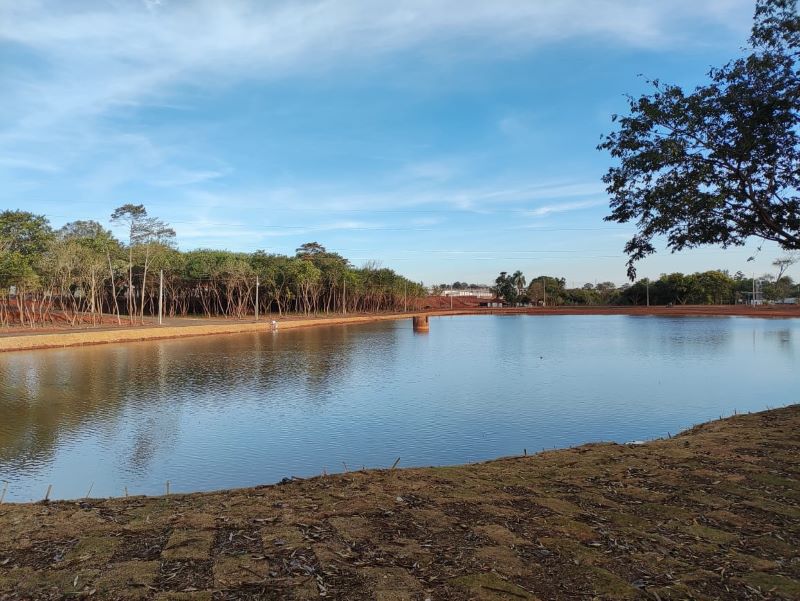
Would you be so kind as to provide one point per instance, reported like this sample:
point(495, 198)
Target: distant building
point(494, 303)
point(476, 292)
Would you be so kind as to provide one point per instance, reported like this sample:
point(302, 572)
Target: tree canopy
point(24, 233)
point(81, 272)
point(714, 287)
point(721, 163)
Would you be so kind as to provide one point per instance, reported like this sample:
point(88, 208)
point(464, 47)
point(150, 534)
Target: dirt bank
point(175, 328)
point(710, 514)
point(18, 340)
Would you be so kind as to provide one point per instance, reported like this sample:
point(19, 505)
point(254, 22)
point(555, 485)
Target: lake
point(245, 409)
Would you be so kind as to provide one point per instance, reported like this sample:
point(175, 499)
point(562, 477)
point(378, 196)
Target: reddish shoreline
point(23, 339)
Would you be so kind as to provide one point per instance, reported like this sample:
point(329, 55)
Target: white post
point(256, 298)
point(161, 298)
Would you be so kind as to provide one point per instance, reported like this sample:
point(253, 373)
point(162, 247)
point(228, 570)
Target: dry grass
point(711, 514)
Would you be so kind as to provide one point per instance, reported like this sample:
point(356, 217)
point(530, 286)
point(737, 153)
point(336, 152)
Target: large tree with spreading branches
point(721, 163)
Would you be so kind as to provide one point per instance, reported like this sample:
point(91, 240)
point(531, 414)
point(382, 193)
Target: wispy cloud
point(104, 56)
point(198, 109)
point(254, 231)
point(408, 197)
point(566, 207)
point(81, 73)
point(514, 125)
point(280, 231)
point(186, 177)
point(433, 171)
point(27, 164)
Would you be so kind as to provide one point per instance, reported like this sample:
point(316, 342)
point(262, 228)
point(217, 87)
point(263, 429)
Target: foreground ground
point(711, 514)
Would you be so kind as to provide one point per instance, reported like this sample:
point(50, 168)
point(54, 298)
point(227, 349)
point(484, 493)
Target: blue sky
point(447, 139)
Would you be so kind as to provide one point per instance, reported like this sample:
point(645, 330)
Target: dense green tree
point(547, 289)
point(24, 238)
point(636, 294)
point(96, 249)
point(720, 163)
point(17, 274)
point(24, 233)
point(310, 249)
point(79, 271)
point(710, 288)
point(506, 288)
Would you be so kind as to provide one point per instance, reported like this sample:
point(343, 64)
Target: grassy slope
point(713, 513)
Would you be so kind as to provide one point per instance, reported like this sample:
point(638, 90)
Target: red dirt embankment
point(41, 338)
point(443, 303)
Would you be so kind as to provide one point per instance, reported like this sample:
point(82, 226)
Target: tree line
point(81, 273)
point(437, 289)
point(714, 287)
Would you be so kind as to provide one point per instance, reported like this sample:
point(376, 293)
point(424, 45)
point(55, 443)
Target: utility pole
point(161, 298)
point(451, 301)
point(753, 301)
point(405, 296)
point(648, 293)
point(544, 291)
point(344, 294)
point(256, 298)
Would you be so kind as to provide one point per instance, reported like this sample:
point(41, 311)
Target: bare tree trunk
point(113, 288)
point(144, 287)
point(20, 307)
point(130, 285)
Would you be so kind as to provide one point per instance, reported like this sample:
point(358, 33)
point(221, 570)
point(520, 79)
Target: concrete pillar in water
point(421, 323)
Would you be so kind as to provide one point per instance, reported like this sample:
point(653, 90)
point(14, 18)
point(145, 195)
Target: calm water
point(238, 410)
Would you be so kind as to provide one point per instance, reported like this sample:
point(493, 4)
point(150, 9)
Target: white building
point(477, 292)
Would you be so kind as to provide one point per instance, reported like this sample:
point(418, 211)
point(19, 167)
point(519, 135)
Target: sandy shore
point(20, 340)
point(711, 514)
point(175, 329)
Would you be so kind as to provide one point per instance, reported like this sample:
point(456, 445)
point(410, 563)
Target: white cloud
point(282, 212)
point(98, 56)
point(280, 231)
point(186, 177)
point(406, 196)
point(566, 207)
point(76, 74)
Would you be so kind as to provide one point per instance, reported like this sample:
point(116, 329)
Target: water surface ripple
point(237, 410)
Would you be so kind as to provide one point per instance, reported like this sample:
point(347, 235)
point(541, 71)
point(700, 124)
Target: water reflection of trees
point(134, 395)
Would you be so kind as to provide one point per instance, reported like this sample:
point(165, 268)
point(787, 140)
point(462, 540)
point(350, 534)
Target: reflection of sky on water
point(237, 410)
